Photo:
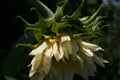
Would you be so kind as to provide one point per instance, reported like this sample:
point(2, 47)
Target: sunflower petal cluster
point(63, 47)
point(65, 55)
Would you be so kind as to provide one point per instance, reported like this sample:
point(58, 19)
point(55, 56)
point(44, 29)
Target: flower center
point(52, 40)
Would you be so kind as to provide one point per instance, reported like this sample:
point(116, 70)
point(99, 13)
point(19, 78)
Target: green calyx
point(73, 24)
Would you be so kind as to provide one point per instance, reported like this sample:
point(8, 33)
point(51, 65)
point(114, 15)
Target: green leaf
point(18, 58)
point(10, 78)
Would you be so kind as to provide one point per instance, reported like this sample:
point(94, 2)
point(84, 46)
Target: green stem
point(42, 8)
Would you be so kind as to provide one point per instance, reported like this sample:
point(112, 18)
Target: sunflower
point(63, 46)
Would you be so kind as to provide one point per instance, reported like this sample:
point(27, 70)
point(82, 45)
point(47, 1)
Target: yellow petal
point(39, 49)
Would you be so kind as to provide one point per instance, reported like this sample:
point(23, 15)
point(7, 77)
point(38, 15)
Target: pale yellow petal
point(61, 53)
point(88, 52)
point(65, 38)
point(69, 47)
point(45, 65)
point(75, 46)
point(39, 49)
point(48, 52)
point(55, 51)
point(65, 49)
point(32, 72)
point(91, 46)
point(36, 61)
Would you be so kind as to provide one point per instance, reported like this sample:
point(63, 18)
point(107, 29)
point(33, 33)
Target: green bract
point(61, 23)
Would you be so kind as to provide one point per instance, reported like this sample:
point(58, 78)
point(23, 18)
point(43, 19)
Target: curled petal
point(91, 46)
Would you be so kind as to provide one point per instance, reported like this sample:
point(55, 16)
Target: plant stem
point(42, 8)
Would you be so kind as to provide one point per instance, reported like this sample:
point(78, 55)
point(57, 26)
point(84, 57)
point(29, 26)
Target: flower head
point(65, 55)
point(63, 48)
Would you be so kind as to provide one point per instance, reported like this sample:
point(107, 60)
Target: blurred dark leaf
point(18, 59)
point(10, 78)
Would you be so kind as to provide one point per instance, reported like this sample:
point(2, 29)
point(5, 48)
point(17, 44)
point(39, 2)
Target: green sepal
point(85, 18)
point(97, 26)
point(77, 13)
point(88, 21)
point(59, 11)
point(42, 22)
point(37, 32)
point(81, 34)
point(38, 28)
point(26, 24)
point(46, 36)
point(57, 27)
point(43, 25)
